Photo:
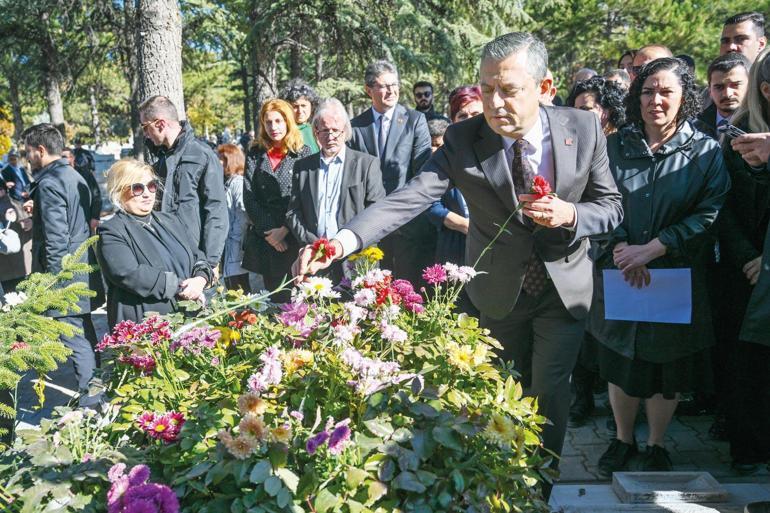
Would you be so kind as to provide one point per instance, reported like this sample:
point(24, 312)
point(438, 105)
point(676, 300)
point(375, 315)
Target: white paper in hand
point(668, 297)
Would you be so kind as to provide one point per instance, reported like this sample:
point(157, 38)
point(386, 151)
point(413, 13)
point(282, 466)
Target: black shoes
point(616, 457)
point(581, 408)
point(656, 459)
point(758, 507)
point(745, 469)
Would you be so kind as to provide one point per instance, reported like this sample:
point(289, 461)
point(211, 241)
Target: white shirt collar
point(340, 156)
point(534, 136)
point(388, 114)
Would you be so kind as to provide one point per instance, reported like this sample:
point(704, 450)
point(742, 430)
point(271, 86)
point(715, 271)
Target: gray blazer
point(473, 160)
point(407, 147)
point(361, 186)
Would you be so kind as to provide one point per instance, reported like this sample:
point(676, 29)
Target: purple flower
point(138, 475)
point(403, 287)
point(339, 437)
point(293, 313)
point(297, 415)
point(195, 340)
point(434, 274)
point(316, 441)
point(271, 372)
point(116, 472)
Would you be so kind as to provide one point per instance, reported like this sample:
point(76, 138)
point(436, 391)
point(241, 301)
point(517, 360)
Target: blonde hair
point(754, 108)
point(122, 174)
point(293, 140)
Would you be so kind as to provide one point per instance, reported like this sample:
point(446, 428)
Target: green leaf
point(284, 498)
point(324, 501)
point(376, 491)
point(447, 438)
point(408, 481)
point(199, 469)
point(354, 477)
point(273, 486)
point(260, 472)
point(353, 506)
point(387, 470)
point(379, 427)
point(289, 478)
point(366, 444)
point(458, 480)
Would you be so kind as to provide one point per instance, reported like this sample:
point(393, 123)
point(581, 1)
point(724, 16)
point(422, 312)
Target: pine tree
point(29, 339)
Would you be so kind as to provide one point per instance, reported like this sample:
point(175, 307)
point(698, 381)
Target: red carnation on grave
point(323, 250)
point(540, 187)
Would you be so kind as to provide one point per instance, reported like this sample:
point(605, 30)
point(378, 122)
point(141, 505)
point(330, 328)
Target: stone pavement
point(687, 441)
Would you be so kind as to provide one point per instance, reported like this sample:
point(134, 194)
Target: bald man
point(647, 54)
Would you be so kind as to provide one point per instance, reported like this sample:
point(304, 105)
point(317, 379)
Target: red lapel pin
point(568, 141)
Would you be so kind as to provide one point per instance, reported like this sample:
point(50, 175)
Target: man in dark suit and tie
point(537, 283)
point(330, 187)
point(400, 139)
point(728, 78)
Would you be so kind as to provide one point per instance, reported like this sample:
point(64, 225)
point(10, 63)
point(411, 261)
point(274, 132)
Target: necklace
point(143, 223)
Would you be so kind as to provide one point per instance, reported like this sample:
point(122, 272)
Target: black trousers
point(543, 340)
point(82, 361)
point(748, 407)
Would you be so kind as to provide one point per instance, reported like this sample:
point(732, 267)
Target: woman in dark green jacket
point(674, 182)
point(744, 243)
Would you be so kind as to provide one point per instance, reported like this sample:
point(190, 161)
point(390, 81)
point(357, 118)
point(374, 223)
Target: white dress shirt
point(329, 185)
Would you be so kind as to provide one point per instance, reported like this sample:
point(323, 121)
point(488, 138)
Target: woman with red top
point(269, 246)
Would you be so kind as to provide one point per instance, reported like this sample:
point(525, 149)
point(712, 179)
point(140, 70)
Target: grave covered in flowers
point(375, 397)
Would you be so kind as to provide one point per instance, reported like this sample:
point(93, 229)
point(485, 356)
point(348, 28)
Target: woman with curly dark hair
point(602, 97)
point(303, 100)
point(674, 182)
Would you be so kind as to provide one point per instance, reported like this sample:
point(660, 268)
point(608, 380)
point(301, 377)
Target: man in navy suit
point(399, 137)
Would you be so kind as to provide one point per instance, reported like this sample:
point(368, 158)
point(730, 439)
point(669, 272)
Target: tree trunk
point(244, 72)
point(18, 121)
point(295, 59)
point(53, 97)
point(97, 129)
point(159, 44)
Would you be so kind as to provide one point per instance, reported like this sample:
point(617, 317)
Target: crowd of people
point(654, 174)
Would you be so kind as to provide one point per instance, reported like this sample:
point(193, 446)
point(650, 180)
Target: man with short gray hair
point(536, 281)
point(399, 138)
point(330, 187)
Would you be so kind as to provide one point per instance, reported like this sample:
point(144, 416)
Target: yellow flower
point(227, 336)
point(281, 433)
point(371, 253)
point(296, 359)
point(251, 403)
point(465, 357)
point(500, 430)
point(253, 426)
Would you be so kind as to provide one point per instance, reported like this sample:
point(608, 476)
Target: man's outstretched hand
point(306, 264)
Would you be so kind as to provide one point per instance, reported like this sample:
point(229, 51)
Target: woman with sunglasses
point(146, 256)
point(269, 247)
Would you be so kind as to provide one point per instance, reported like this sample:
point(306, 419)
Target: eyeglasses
point(148, 123)
point(426, 94)
point(330, 133)
point(382, 87)
point(137, 189)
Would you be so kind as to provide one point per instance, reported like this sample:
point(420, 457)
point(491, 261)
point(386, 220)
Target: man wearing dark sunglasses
point(423, 100)
point(191, 174)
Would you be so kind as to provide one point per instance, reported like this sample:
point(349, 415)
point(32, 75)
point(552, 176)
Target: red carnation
point(323, 250)
point(540, 187)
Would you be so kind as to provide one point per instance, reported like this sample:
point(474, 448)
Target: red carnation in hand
point(323, 250)
point(540, 187)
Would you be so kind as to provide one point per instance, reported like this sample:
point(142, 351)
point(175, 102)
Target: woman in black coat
point(147, 257)
point(269, 247)
point(674, 182)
